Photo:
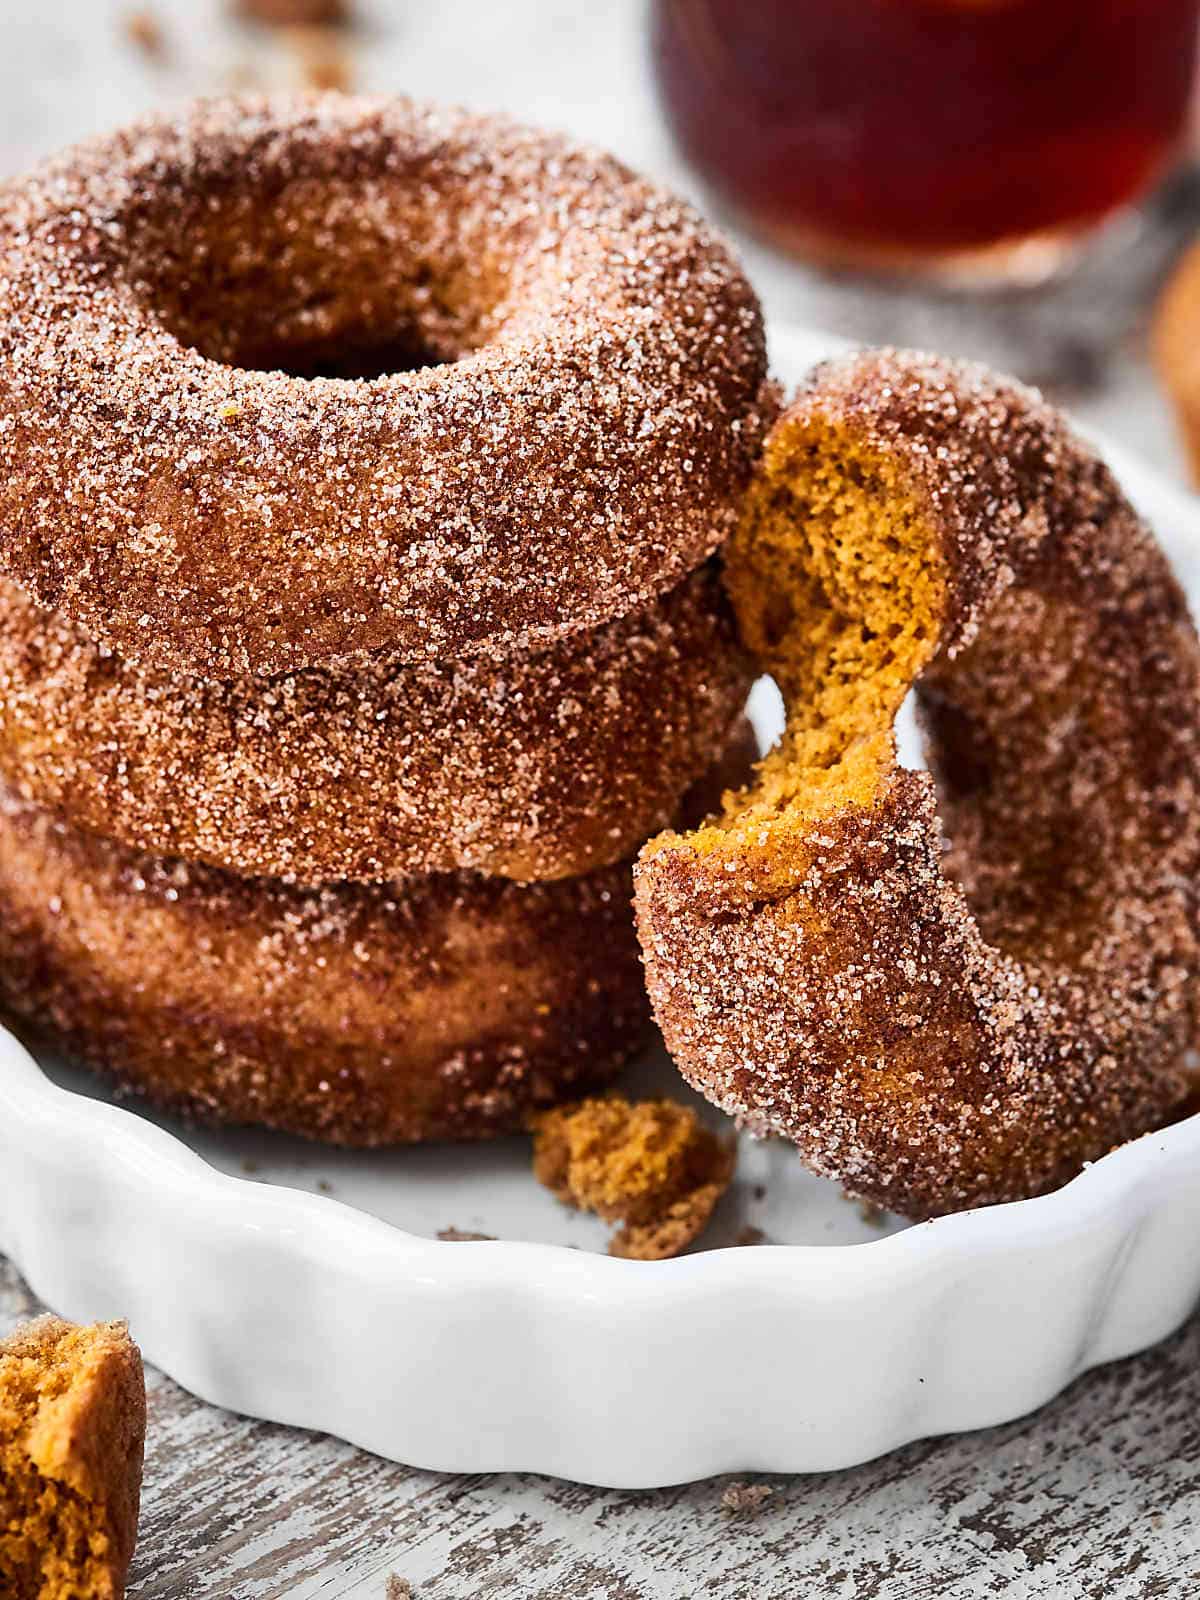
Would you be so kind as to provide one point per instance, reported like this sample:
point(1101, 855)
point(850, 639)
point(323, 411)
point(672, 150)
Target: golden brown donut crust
point(580, 448)
point(72, 1435)
point(450, 1006)
point(1176, 348)
point(937, 1030)
point(447, 1007)
point(543, 766)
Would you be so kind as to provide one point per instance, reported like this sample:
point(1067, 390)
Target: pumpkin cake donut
point(445, 1007)
point(287, 381)
point(942, 1019)
point(72, 1437)
point(542, 766)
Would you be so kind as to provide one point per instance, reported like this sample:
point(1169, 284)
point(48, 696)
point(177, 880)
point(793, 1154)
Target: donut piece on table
point(289, 380)
point(542, 766)
point(72, 1440)
point(445, 1007)
point(944, 1013)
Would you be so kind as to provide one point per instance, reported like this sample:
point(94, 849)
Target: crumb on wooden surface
point(144, 30)
point(397, 1588)
point(462, 1235)
point(745, 1499)
point(650, 1165)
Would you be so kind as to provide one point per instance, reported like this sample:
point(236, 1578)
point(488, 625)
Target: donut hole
point(1035, 738)
point(321, 280)
point(353, 357)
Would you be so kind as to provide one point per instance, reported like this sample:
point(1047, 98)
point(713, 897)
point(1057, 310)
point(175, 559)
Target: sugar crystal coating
point(587, 400)
point(957, 1003)
point(447, 1007)
point(551, 763)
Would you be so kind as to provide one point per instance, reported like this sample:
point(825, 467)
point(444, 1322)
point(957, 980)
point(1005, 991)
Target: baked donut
point(447, 1007)
point(543, 766)
point(444, 1008)
point(1176, 345)
point(287, 381)
point(941, 1022)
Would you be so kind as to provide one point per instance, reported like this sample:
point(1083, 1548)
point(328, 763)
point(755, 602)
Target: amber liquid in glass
point(904, 132)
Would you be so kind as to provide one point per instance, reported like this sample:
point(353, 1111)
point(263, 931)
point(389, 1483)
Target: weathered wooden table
point(1094, 1497)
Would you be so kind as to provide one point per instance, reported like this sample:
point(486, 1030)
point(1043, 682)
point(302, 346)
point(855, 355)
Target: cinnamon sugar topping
point(945, 1008)
point(490, 388)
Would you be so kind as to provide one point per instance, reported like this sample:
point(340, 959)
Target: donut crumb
point(144, 31)
point(745, 1499)
point(72, 1426)
point(650, 1165)
point(291, 13)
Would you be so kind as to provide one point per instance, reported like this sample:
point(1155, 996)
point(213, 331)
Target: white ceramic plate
point(309, 1287)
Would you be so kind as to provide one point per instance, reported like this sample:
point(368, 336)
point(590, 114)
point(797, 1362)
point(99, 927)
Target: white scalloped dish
point(309, 1287)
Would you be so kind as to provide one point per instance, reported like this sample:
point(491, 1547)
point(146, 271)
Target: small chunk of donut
point(649, 1165)
point(447, 1007)
point(72, 1441)
point(944, 1013)
point(286, 381)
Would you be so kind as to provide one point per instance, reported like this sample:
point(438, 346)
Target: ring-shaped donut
point(941, 1020)
point(212, 455)
point(541, 766)
point(447, 1007)
point(450, 1006)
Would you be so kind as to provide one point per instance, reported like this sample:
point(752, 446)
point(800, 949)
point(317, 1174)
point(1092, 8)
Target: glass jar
point(966, 138)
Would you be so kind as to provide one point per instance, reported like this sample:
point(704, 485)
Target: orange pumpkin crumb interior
point(650, 1165)
point(838, 584)
point(72, 1413)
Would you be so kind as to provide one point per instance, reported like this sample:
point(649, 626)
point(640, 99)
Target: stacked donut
point(361, 470)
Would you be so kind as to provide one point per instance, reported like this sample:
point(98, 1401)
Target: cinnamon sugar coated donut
point(288, 13)
point(542, 766)
point(201, 465)
point(446, 1007)
point(945, 1013)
